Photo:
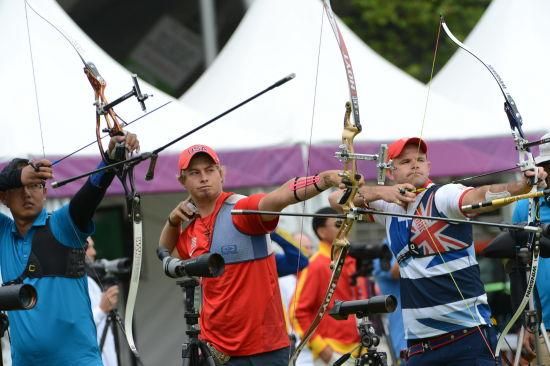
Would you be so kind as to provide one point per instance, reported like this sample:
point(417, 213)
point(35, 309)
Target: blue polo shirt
point(60, 329)
point(390, 286)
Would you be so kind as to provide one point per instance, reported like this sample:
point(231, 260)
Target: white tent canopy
point(279, 37)
point(512, 36)
point(64, 94)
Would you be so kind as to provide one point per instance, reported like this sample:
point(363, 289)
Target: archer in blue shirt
point(45, 250)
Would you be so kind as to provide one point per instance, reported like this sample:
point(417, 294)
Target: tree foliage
point(405, 31)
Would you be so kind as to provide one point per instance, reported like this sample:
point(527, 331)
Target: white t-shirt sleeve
point(380, 205)
point(95, 297)
point(448, 200)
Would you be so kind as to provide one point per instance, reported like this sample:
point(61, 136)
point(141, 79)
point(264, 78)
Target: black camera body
point(108, 272)
point(205, 265)
point(364, 253)
point(369, 339)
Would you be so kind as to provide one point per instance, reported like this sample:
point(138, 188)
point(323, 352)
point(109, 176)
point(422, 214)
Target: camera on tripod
point(108, 272)
point(205, 265)
point(195, 351)
point(364, 253)
point(369, 339)
point(372, 250)
point(375, 305)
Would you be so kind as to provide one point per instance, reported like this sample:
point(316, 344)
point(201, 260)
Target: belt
point(431, 344)
point(220, 358)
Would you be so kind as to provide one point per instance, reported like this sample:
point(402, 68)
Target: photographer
point(103, 303)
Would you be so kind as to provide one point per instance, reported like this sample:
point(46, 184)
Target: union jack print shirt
point(441, 290)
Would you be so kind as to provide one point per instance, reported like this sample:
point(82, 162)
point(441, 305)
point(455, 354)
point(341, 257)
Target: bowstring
point(81, 242)
point(292, 305)
point(37, 104)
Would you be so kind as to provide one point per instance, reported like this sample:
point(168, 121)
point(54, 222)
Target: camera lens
point(17, 297)
point(27, 297)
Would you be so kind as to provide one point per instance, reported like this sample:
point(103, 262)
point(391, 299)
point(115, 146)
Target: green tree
point(405, 31)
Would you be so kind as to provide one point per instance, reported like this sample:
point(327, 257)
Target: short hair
point(15, 164)
point(318, 222)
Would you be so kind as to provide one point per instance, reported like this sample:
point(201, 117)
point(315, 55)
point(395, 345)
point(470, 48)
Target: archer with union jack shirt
point(443, 299)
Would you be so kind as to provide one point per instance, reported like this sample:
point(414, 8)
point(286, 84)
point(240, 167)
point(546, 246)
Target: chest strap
point(50, 258)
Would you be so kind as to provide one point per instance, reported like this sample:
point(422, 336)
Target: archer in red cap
point(434, 254)
point(250, 277)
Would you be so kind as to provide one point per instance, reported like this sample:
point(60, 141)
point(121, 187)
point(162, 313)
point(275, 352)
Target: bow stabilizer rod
point(154, 154)
point(361, 214)
point(506, 200)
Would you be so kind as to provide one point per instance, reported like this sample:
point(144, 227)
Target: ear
point(389, 174)
point(321, 231)
point(181, 178)
point(222, 172)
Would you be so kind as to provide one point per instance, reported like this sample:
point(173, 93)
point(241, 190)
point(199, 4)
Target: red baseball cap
point(397, 146)
point(187, 154)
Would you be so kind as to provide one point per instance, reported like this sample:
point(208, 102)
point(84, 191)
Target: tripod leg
point(104, 333)
point(207, 354)
point(116, 339)
point(545, 336)
point(519, 346)
point(536, 334)
point(187, 354)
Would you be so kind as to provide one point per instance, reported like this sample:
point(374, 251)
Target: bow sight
point(135, 92)
point(381, 164)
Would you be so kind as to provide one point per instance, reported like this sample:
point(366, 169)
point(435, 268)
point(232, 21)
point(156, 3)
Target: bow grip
point(119, 152)
point(151, 170)
point(345, 196)
point(349, 186)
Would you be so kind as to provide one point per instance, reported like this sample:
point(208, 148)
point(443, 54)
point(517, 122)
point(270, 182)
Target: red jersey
point(341, 335)
point(241, 310)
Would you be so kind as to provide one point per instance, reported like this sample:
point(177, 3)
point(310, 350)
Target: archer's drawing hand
point(185, 211)
point(36, 172)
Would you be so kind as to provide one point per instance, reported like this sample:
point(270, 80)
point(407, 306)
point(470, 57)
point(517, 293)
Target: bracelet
point(171, 223)
point(316, 180)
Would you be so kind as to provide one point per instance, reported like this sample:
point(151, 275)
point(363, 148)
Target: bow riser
point(114, 127)
point(350, 178)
